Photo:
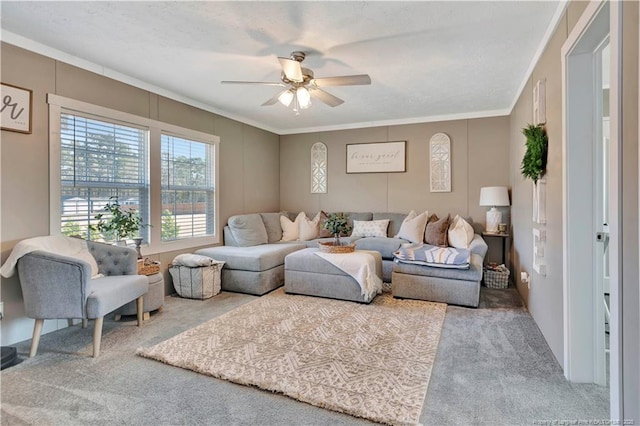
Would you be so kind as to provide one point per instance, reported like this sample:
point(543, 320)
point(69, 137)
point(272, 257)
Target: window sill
point(169, 246)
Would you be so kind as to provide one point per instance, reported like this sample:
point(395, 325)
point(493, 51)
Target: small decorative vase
point(138, 242)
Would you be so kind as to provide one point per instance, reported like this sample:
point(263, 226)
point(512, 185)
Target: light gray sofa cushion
point(248, 230)
point(255, 258)
point(107, 293)
point(351, 216)
point(386, 246)
point(478, 246)
point(395, 221)
point(272, 225)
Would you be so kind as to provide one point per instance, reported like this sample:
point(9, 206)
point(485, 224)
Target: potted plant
point(337, 225)
point(117, 223)
point(534, 161)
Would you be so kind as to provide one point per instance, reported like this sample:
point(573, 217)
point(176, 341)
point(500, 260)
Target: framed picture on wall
point(379, 157)
point(15, 104)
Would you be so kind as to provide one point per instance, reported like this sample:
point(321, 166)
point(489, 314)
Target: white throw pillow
point(291, 230)
point(370, 228)
point(460, 233)
point(309, 228)
point(413, 226)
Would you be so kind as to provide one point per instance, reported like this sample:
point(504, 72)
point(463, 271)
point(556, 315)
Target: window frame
point(59, 104)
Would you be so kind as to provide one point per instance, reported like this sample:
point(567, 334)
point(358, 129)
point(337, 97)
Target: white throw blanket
point(361, 266)
point(60, 244)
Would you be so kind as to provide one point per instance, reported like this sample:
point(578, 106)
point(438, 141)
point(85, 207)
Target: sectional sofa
point(254, 256)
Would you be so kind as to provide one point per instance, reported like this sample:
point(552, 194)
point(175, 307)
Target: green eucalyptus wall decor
point(534, 162)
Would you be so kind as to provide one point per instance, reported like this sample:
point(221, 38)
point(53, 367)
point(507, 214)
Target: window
point(165, 172)
point(99, 160)
point(187, 188)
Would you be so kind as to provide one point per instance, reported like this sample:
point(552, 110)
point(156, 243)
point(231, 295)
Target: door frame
point(599, 18)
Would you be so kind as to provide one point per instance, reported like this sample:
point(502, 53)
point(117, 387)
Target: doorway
point(589, 186)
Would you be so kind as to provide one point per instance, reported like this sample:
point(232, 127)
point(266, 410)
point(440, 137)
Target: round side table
point(153, 300)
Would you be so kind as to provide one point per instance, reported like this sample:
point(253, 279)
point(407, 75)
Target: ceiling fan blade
point(275, 99)
point(326, 97)
point(345, 80)
point(291, 69)
point(263, 83)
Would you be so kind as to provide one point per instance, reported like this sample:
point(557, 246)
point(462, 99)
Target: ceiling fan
point(300, 84)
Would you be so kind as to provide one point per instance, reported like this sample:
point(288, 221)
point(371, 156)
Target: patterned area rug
point(372, 361)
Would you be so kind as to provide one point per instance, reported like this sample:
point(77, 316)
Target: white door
point(601, 212)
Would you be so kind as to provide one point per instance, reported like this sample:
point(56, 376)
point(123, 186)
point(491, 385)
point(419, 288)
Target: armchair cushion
point(107, 293)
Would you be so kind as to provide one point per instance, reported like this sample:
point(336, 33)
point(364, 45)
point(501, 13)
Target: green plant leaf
point(116, 222)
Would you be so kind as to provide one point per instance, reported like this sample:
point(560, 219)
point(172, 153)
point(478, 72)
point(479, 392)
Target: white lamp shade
point(304, 97)
point(286, 97)
point(494, 196)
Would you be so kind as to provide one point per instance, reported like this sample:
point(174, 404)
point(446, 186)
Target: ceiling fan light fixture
point(286, 97)
point(304, 97)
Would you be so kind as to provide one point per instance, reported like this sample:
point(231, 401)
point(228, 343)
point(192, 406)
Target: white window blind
point(188, 188)
point(100, 159)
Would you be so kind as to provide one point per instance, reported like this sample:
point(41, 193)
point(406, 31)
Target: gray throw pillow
point(272, 225)
point(436, 231)
point(248, 230)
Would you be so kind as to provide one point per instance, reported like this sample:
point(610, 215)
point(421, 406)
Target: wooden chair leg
point(97, 336)
point(35, 340)
point(140, 306)
point(85, 323)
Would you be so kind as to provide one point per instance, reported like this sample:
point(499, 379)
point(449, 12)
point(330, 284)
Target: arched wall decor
point(319, 168)
point(440, 163)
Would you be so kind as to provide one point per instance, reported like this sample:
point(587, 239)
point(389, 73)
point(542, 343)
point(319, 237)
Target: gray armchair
point(57, 287)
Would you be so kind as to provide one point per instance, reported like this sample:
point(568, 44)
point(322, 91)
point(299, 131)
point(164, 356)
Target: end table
point(504, 237)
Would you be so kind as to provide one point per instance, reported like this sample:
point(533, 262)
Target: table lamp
point(494, 196)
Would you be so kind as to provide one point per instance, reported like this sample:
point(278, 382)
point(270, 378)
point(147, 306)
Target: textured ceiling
point(427, 60)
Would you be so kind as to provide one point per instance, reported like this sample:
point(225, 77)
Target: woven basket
point(200, 282)
point(497, 277)
point(148, 267)
point(331, 248)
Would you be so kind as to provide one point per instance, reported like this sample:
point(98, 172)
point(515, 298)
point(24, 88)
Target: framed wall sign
point(15, 105)
point(379, 157)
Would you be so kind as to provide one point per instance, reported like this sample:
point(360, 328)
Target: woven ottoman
point(308, 274)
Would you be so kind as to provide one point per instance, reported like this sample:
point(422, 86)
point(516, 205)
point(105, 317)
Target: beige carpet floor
point(372, 361)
